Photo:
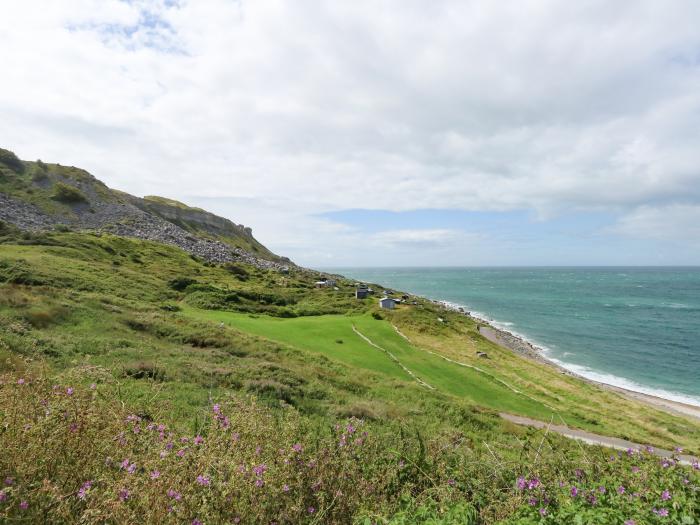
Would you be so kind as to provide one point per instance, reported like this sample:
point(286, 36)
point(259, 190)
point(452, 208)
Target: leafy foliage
point(68, 194)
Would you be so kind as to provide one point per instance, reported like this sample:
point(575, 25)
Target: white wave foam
point(588, 373)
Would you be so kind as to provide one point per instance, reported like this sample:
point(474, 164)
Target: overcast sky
point(379, 132)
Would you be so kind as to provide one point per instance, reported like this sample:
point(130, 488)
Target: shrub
point(9, 159)
point(68, 194)
point(145, 370)
point(377, 316)
point(236, 270)
point(180, 283)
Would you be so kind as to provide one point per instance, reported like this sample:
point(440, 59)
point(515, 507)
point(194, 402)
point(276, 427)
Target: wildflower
point(311, 510)
point(665, 463)
point(620, 489)
point(574, 492)
point(350, 429)
point(696, 465)
point(259, 483)
point(20, 381)
point(198, 440)
point(686, 481)
point(216, 409)
point(24, 505)
point(155, 474)
point(601, 489)
point(592, 500)
point(678, 450)
point(451, 482)
point(93, 386)
point(543, 511)
point(532, 501)
point(123, 494)
point(181, 453)
point(665, 495)
point(285, 488)
point(132, 468)
point(650, 450)
point(203, 480)
point(259, 470)
point(631, 522)
point(163, 454)
point(661, 512)
point(258, 450)
point(3, 495)
point(125, 464)
point(296, 447)
point(9, 481)
point(69, 391)
point(236, 436)
point(184, 439)
point(521, 483)
point(83, 489)
point(533, 483)
point(196, 522)
point(174, 495)
point(169, 445)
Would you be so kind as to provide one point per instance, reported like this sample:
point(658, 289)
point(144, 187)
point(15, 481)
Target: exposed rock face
point(121, 217)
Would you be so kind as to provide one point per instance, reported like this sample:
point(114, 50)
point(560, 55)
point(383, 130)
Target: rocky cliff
point(41, 196)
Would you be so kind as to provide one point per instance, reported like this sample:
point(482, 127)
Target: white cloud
point(675, 222)
point(436, 238)
point(320, 106)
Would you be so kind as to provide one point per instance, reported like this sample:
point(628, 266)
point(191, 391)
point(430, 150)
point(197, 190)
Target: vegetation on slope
point(165, 337)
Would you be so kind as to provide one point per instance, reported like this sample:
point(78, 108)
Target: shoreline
point(521, 346)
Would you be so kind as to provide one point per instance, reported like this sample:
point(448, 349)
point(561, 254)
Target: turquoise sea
point(637, 328)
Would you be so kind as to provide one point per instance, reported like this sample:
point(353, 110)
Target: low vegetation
point(142, 385)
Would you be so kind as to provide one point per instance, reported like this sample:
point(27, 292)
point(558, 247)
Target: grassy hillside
point(164, 337)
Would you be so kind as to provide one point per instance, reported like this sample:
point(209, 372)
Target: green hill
point(142, 384)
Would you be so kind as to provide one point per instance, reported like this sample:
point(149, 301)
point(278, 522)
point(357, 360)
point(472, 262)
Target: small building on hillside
point(361, 293)
point(387, 303)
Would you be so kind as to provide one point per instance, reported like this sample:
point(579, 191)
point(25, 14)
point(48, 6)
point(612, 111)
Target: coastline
point(521, 346)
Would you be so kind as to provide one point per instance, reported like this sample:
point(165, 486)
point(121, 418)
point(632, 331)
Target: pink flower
point(155, 474)
point(216, 409)
point(83, 489)
point(665, 495)
point(311, 510)
point(198, 440)
point(203, 480)
point(574, 492)
point(3, 496)
point(69, 391)
point(174, 495)
point(285, 488)
point(543, 511)
point(296, 447)
point(181, 452)
point(196, 522)
point(24, 505)
point(123, 495)
point(20, 381)
point(9, 481)
point(93, 386)
point(620, 489)
point(132, 468)
point(521, 483)
point(125, 464)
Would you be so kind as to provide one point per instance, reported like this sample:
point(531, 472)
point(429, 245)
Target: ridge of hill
point(42, 196)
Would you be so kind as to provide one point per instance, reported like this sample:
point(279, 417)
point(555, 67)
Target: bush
point(10, 160)
point(68, 194)
point(236, 270)
point(144, 370)
point(377, 316)
point(180, 283)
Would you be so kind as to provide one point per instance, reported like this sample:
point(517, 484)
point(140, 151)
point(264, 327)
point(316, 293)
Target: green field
point(333, 336)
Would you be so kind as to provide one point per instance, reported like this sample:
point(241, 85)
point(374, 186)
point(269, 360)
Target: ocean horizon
point(634, 327)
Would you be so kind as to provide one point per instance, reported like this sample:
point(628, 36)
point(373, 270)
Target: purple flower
point(532, 501)
point(296, 447)
point(679, 450)
point(259, 483)
point(665, 495)
point(123, 494)
point(259, 470)
point(574, 492)
point(203, 480)
point(93, 386)
point(132, 468)
point(661, 512)
point(125, 464)
point(311, 510)
point(174, 495)
point(601, 489)
point(543, 511)
point(196, 522)
point(631, 522)
point(533, 483)
point(155, 474)
point(3, 496)
point(285, 488)
point(24, 505)
point(451, 482)
point(635, 469)
point(620, 489)
point(9, 481)
point(82, 492)
point(184, 439)
point(69, 391)
point(521, 483)
point(650, 450)
point(181, 453)
point(20, 381)
point(198, 440)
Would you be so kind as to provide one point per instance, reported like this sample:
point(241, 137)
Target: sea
point(636, 328)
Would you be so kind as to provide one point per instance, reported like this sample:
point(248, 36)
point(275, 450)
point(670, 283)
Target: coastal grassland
point(142, 323)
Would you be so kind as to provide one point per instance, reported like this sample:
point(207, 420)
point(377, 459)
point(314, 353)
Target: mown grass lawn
point(333, 336)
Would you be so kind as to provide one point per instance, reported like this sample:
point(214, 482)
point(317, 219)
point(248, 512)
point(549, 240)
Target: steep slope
point(41, 196)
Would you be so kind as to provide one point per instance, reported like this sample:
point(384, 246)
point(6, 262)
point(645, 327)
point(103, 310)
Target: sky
point(379, 133)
